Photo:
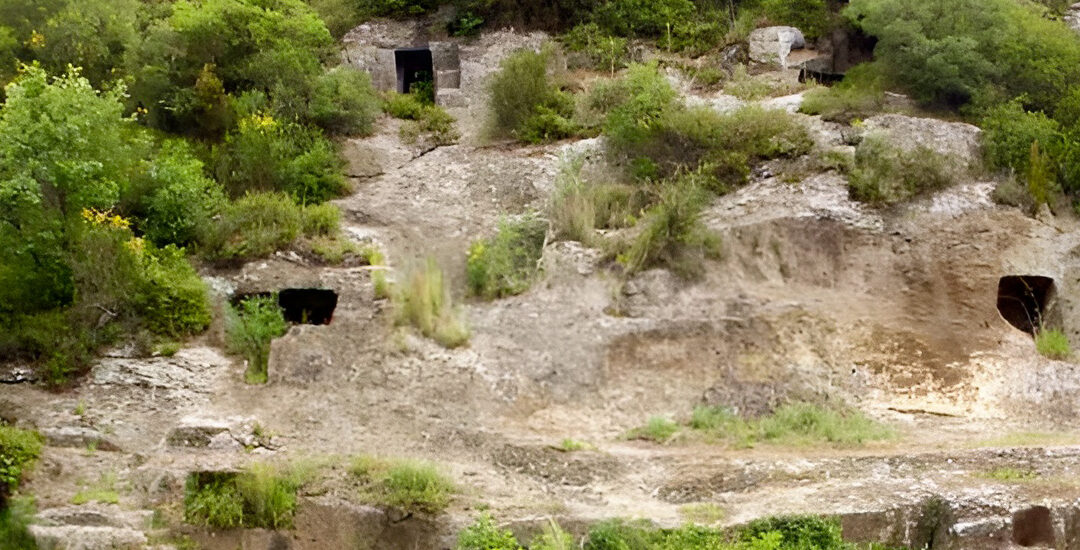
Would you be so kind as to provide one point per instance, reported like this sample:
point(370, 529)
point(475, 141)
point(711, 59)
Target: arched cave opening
point(1022, 300)
point(301, 306)
point(1033, 527)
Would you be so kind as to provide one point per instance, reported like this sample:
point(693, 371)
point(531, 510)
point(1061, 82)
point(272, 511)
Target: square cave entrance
point(414, 65)
point(301, 306)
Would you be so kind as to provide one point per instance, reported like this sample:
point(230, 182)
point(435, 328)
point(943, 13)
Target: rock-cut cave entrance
point(1022, 300)
point(302, 306)
point(1033, 527)
point(414, 66)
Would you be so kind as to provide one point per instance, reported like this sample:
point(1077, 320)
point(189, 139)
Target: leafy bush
point(15, 517)
point(635, 103)
point(409, 485)
point(1009, 131)
point(485, 535)
point(524, 102)
point(506, 263)
point(885, 174)
point(617, 534)
point(424, 302)
point(274, 46)
point(264, 154)
point(171, 299)
point(797, 531)
point(249, 328)
point(19, 449)
point(262, 496)
point(810, 16)
point(435, 123)
point(1053, 343)
point(672, 234)
point(602, 51)
point(968, 51)
point(658, 429)
point(178, 200)
point(344, 102)
point(644, 18)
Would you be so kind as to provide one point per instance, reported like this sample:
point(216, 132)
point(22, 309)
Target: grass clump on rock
point(424, 302)
point(1053, 344)
point(249, 328)
point(409, 485)
point(262, 496)
point(506, 263)
point(790, 424)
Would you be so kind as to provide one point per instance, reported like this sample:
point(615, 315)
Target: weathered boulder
point(771, 45)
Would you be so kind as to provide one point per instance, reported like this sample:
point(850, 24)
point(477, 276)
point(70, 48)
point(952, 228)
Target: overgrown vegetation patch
point(790, 424)
point(249, 328)
point(506, 263)
point(409, 485)
point(886, 174)
point(264, 495)
point(423, 301)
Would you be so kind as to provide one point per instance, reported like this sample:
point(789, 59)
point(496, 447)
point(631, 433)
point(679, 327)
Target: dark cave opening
point(414, 65)
point(301, 306)
point(1033, 527)
point(1022, 300)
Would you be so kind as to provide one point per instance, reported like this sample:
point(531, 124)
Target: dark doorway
point(308, 306)
point(414, 67)
point(1022, 300)
point(1033, 527)
point(301, 306)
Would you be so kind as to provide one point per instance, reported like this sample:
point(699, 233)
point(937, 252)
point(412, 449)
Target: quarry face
point(919, 315)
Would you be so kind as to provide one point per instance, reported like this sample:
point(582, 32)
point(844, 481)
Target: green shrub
point(264, 154)
point(172, 299)
point(249, 328)
point(254, 226)
point(179, 200)
point(424, 302)
point(603, 51)
point(644, 18)
point(546, 125)
point(968, 51)
point(634, 104)
point(860, 95)
point(672, 234)
point(19, 449)
point(1053, 343)
point(885, 174)
point(506, 263)
point(15, 518)
point(521, 91)
point(798, 532)
point(812, 17)
point(658, 429)
point(435, 123)
point(403, 106)
point(262, 496)
point(408, 485)
point(1009, 131)
point(344, 102)
point(320, 220)
point(485, 535)
point(1041, 185)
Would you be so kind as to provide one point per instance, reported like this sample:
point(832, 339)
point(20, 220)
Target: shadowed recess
point(1033, 527)
point(413, 65)
point(1022, 300)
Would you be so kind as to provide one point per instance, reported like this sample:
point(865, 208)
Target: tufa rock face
point(771, 45)
point(956, 140)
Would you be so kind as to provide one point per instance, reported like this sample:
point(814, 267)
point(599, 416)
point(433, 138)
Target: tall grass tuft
point(408, 485)
point(424, 302)
point(1053, 343)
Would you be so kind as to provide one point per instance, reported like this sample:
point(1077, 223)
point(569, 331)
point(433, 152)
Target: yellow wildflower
point(37, 40)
